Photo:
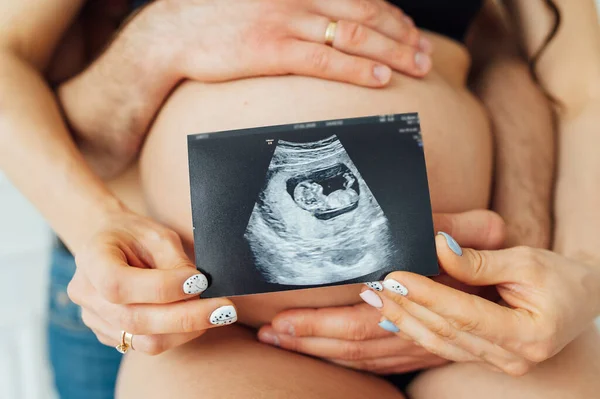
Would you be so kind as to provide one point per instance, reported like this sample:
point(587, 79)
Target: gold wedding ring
point(126, 342)
point(330, 33)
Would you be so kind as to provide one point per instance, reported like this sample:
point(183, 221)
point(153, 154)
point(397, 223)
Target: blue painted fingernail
point(389, 326)
point(452, 244)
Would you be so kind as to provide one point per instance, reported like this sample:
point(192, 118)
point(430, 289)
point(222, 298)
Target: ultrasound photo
point(309, 205)
point(316, 221)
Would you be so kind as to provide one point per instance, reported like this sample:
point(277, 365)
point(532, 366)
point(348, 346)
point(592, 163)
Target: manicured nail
point(423, 61)
point(376, 285)
point(452, 244)
point(269, 338)
point(389, 326)
point(409, 21)
point(195, 284)
point(425, 45)
point(371, 298)
point(285, 327)
point(395, 286)
point(223, 315)
point(382, 73)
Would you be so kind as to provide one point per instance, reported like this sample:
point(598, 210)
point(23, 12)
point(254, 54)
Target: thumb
point(475, 267)
point(481, 229)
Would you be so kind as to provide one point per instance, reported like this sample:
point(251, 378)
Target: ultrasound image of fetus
point(316, 221)
point(326, 193)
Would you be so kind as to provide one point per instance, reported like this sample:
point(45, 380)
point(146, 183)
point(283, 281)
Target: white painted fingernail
point(223, 315)
point(195, 284)
point(395, 286)
point(376, 285)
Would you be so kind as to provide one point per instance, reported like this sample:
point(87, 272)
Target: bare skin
point(536, 379)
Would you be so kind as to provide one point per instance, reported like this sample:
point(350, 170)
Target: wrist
point(88, 217)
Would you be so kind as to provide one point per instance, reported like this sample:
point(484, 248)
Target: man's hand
point(111, 104)
point(350, 336)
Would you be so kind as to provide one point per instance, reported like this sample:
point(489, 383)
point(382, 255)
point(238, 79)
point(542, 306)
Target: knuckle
point(187, 322)
point(526, 254)
point(353, 351)
point(444, 330)
point(539, 351)
point(533, 272)
point(402, 57)
point(111, 290)
point(162, 291)
point(467, 325)
point(170, 236)
point(395, 318)
point(319, 59)
point(368, 10)
point(412, 36)
point(395, 13)
point(355, 34)
point(85, 317)
point(73, 292)
point(162, 235)
point(129, 320)
point(263, 35)
point(479, 260)
point(358, 330)
point(404, 33)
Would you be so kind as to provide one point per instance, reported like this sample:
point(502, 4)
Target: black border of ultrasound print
point(223, 185)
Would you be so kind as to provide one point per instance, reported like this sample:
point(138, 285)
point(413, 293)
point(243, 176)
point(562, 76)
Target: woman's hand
point(211, 40)
point(134, 275)
point(549, 301)
point(350, 336)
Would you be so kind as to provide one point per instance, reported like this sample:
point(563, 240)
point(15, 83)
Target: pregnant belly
point(456, 138)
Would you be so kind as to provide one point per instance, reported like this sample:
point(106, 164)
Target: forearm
point(524, 152)
point(577, 207)
point(39, 157)
point(524, 138)
point(569, 69)
point(118, 95)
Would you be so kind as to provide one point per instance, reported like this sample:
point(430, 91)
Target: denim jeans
point(83, 367)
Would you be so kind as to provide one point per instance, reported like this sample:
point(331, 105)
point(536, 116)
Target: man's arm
point(111, 103)
point(36, 151)
point(522, 123)
point(569, 69)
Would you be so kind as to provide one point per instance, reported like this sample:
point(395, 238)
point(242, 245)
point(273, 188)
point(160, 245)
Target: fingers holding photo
point(139, 261)
point(157, 327)
point(536, 284)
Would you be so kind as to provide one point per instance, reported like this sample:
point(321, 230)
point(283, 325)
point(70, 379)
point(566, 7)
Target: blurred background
point(25, 242)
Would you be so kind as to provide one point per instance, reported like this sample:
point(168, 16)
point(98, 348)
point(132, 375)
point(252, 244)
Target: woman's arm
point(130, 270)
point(36, 150)
point(569, 69)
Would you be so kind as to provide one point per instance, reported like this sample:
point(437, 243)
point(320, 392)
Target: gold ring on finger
point(128, 340)
point(123, 347)
point(330, 33)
